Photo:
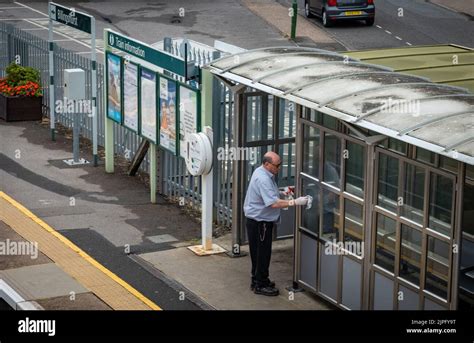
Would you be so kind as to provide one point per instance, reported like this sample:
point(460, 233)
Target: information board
point(188, 116)
point(148, 125)
point(130, 96)
point(114, 107)
point(168, 119)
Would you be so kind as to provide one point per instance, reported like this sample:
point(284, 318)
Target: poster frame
point(137, 131)
point(108, 53)
point(157, 133)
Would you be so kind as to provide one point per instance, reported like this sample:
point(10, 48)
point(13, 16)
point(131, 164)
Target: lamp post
point(294, 14)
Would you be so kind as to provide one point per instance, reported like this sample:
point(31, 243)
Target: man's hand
point(301, 201)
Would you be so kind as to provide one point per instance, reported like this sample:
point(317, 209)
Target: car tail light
point(333, 2)
point(370, 2)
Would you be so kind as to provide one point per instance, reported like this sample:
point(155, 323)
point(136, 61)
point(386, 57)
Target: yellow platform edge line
point(82, 253)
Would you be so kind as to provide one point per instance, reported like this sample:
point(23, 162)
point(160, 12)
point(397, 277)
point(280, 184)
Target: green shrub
point(18, 75)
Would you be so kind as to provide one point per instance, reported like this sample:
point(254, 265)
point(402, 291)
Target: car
point(335, 10)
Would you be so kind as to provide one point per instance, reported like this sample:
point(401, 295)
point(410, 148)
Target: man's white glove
point(301, 201)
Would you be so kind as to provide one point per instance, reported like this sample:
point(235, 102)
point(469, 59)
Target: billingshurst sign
point(85, 23)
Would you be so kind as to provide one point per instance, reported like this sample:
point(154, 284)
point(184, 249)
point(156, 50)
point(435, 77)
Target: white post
point(206, 225)
point(94, 94)
point(51, 78)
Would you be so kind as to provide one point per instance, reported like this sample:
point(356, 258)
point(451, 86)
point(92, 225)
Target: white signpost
point(198, 160)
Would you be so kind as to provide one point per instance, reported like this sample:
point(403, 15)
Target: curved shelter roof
point(435, 116)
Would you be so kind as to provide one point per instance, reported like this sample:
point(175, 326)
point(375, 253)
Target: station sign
point(151, 55)
point(70, 17)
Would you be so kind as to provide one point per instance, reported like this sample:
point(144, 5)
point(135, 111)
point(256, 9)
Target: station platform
point(47, 271)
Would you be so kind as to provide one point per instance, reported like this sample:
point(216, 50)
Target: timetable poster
point(130, 96)
point(188, 116)
point(168, 114)
point(114, 108)
point(148, 105)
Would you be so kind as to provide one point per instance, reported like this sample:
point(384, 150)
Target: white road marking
point(62, 34)
point(408, 43)
point(398, 38)
point(34, 29)
point(378, 26)
point(59, 33)
point(388, 32)
point(16, 19)
point(31, 8)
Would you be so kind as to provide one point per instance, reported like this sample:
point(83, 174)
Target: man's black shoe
point(269, 291)
point(253, 284)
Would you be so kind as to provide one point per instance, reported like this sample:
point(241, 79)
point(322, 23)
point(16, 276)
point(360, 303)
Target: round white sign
point(198, 155)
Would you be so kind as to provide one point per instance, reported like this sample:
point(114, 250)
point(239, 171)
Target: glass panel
point(375, 98)
point(388, 182)
point(330, 215)
point(313, 115)
point(329, 122)
point(269, 130)
point(470, 172)
point(386, 238)
point(468, 210)
point(355, 169)
point(287, 119)
point(259, 124)
point(310, 218)
point(311, 151)
point(332, 160)
point(434, 108)
point(353, 225)
point(398, 146)
point(424, 155)
point(410, 255)
point(414, 193)
point(449, 132)
point(286, 176)
point(441, 202)
point(437, 267)
point(448, 164)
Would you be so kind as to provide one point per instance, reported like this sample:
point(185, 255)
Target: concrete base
point(200, 251)
point(71, 162)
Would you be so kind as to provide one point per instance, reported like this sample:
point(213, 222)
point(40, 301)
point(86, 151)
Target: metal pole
point(206, 224)
point(109, 125)
point(94, 94)
point(153, 173)
point(294, 15)
point(51, 78)
point(75, 137)
point(207, 180)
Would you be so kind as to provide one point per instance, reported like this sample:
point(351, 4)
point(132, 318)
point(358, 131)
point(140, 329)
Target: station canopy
point(435, 116)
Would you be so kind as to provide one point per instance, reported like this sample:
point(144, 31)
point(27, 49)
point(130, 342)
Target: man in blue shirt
point(262, 207)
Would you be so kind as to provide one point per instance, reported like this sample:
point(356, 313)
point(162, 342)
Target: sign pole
point(51, 74)
point(153, 173)
point(207, 247)
point(94, 95)
point(109, 125)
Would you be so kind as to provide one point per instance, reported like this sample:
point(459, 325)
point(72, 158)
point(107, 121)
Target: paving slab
point(9, 261)
point(41, 281)
point(223, 282)
point(83, 301)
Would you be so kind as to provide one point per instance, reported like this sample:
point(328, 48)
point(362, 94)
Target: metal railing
point(176, 183)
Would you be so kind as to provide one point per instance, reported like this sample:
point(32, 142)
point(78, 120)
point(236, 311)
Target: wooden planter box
point(16, 108)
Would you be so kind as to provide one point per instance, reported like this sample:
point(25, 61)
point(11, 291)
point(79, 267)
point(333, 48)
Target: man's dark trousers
point(260, 235)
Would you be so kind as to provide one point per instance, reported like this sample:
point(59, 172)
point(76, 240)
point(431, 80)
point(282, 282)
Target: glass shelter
point(388, 158)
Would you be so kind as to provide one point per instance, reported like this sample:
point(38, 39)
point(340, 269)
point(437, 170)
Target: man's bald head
point(271, 161)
